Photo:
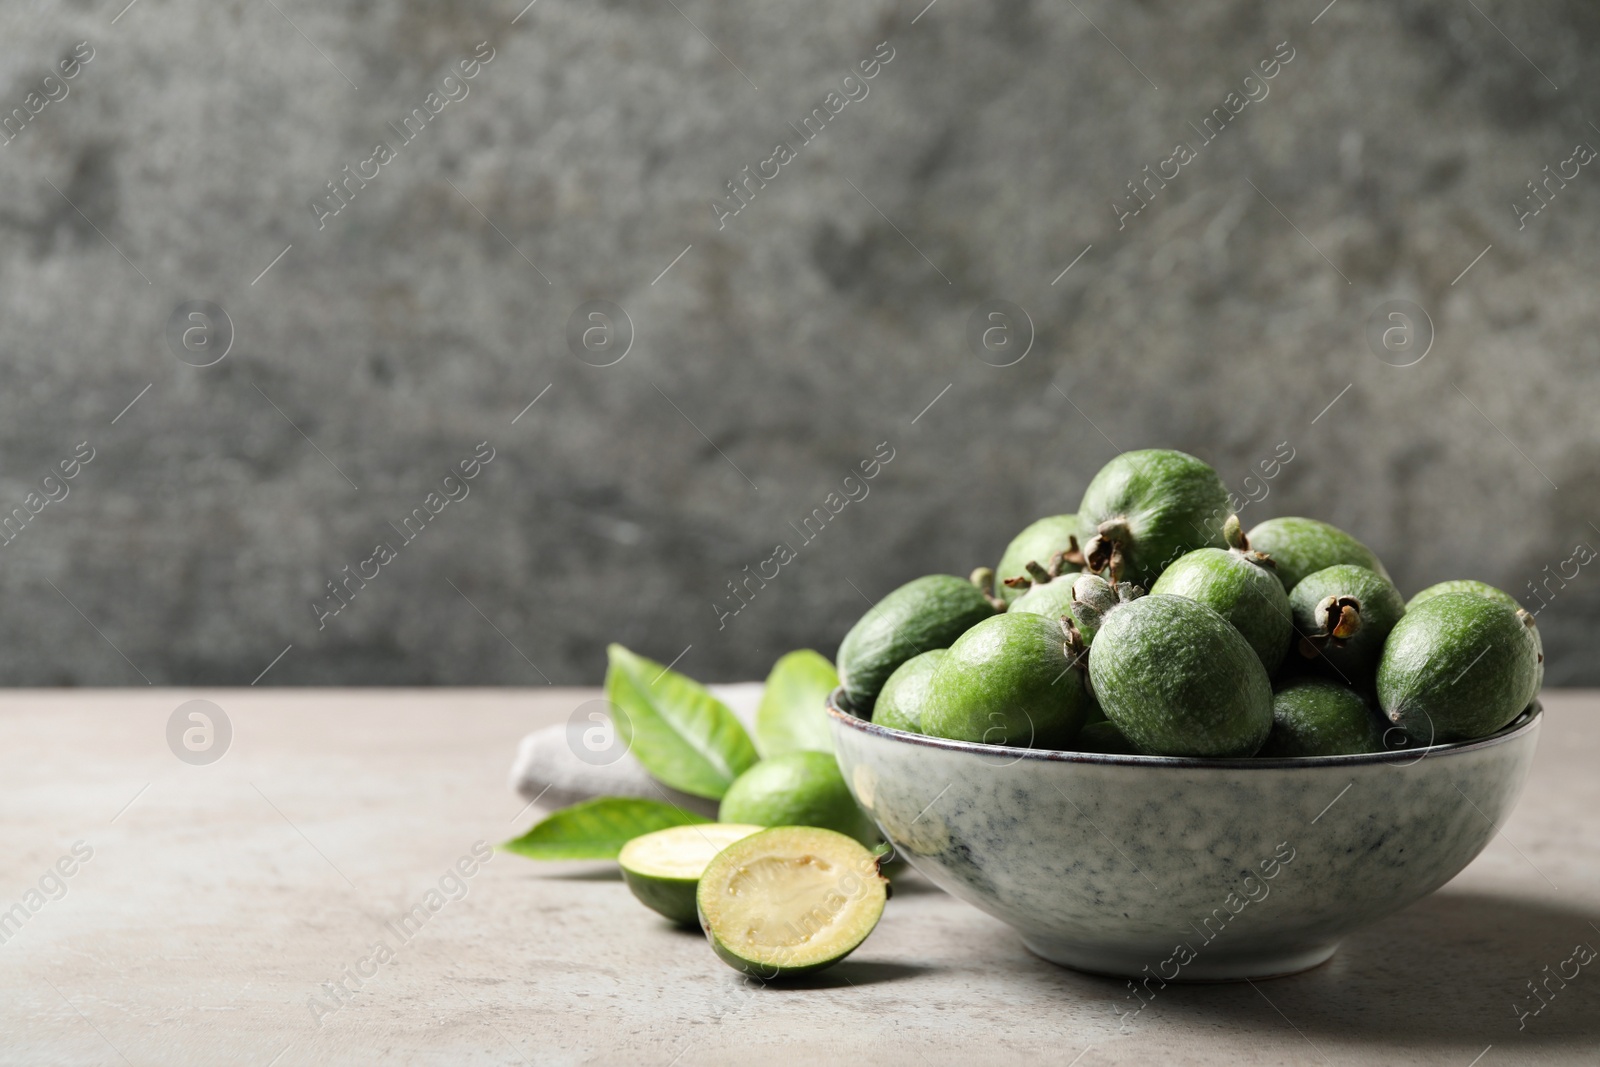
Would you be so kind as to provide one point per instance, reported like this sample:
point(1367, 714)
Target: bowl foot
point(1236, 966)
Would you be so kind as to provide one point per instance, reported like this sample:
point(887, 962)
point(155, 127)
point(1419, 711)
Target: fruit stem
point(983, 578)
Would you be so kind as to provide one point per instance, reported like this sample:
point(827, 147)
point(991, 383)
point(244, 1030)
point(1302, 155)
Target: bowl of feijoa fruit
point(1162, 746)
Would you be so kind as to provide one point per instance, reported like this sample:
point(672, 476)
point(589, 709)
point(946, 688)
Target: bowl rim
point(1526, 722)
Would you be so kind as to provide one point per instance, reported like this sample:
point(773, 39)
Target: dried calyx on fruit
point(1344, 614)
point(1093, 597)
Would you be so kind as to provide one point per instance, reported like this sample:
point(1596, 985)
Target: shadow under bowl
point(1178, 869)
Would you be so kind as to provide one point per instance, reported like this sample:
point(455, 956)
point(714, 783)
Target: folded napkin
point(548, 772)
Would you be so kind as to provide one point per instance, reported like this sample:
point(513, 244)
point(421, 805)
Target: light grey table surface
point(219, 899)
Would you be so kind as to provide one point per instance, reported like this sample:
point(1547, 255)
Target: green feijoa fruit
point(1052, 599)
point(1300, 547)
point(1039, 542)
point(1238, 584)
point(1468, 585)
point(905, 694)
point(1463, 585)
point(663, 868)
point(924, 614)
point(797, 789)
point(1318, 717)
point(790, 900)
point(1104, 737)
point(1145, 509)
point(1178, 680)
point(1010, 680)
point(1343, 614)
point(1460, 666)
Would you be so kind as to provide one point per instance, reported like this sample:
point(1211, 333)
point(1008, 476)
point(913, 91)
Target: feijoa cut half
point(790, 900)
point(663, 868)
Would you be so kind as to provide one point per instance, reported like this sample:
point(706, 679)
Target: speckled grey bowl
point(1166, 869)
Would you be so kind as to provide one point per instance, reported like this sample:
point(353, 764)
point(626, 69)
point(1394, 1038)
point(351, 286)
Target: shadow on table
point(1452, 966)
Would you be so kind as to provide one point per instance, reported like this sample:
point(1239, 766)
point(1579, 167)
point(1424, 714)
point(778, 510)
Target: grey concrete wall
point(786, 342)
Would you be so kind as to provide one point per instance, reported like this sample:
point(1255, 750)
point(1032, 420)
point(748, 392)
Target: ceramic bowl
point(1167, 869)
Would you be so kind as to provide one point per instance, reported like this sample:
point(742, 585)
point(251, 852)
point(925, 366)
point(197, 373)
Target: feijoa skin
point(1010, 680)
point(1037, 543)
point(1318, 717)
point(1238, 584)
point(1052, 599)
point(1144, 509)
point(1300, 547)
point(921, 615)
point(1342, 614)
point(1463, 585)
point(1460, 666)
point(1177, 679)
point(797, 789)
point(905, 694)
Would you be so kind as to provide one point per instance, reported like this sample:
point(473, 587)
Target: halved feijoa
point(790, 900)
point(663, 868)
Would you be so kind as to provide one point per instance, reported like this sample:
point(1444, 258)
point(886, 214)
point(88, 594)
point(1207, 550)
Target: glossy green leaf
point(679, 732)
point(793, 715)
point(597, 829)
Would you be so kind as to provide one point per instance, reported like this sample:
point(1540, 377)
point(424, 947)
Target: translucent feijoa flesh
point(1460, 666)
point(663, 868)
point(921, 615)
point(1179, 680)
point(1342, 614)
point(790, 900)
point(904, 695)
point(1300, 547)
point(1318, 717)
point(797, 789)
point(1237, 583)
point(1144, 509)
point(1014, 679)
point(1039, 542)
point(1463, 585)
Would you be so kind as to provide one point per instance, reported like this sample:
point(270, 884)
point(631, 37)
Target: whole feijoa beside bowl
point(796, 789)
point(1458, 667)
point(1301, 546)
point(1343, 614)
point(1147, 508)
point(1014, 679)
point(923, 614)
point(1177, 679)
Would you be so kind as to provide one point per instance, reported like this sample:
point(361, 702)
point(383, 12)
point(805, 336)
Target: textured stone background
point(781, 349)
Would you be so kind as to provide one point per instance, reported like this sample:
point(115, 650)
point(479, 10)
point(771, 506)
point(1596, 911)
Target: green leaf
point(597, 829)
point(679, 732)
point(792, 716)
